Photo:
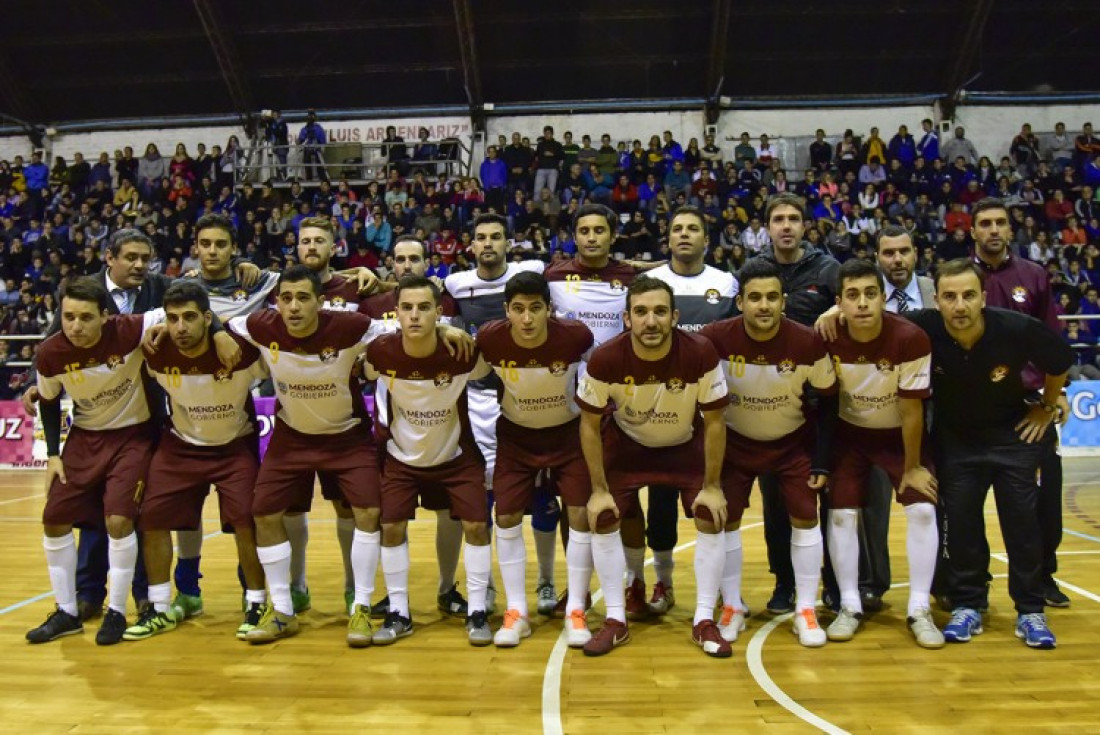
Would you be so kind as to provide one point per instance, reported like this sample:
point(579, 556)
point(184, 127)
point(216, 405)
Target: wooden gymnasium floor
point(202, 679)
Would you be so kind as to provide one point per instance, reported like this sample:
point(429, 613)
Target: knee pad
point(545, 511)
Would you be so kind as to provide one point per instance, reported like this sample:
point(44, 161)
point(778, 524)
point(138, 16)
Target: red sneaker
point(707, 636)
point(662, 599)
point(636, 607)
point(613, 634)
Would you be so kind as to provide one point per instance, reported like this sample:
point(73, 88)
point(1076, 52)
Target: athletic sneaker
point(301, 600)
point(452, 602)
point(186, 607)
point(272, 627)
point(381, 608)
point(547, 597)
point(87, 610)
point(563, 603)
point(924, 629)
point(477, 629)
point(515, 628)
point(808, 630)
point(396, 626)
point(964, 623)
point(1052, 596)
point(782, 601)
point(58, 624)
point(731, 622)
point(576, 630)
point(360, 633)
point(150, 623)
point(636, 606)
point(349, 601)
point(252, 617)
point(662, 600)
point(613, 634)
point(845, 626)
point(706, 635)
point(111, 629)
point(1032, 629)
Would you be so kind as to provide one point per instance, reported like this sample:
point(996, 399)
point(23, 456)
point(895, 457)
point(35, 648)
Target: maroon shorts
point(106, 476)
point(788, 458)
point(630, 466)
point(180, 477)
point(285, 480)
point(462, 480)
point(523, 453)
point(859, 449)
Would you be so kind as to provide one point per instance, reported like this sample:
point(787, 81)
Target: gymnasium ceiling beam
point(225, 51)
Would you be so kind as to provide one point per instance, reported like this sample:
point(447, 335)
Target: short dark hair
point(298, 273)
point(127, 235)
point(410, 238)
point(218, 221)
point(645, 284)
point(184, 291)
point(87, 288)
point(491, 218)
point(986, 204)
point(957, 267)
point(891, 231)
point(755, 268)
point(596, 210)
point(413, 282)
point(858, 268)
point(692, 211)
point(527, 283)
point(785, 199)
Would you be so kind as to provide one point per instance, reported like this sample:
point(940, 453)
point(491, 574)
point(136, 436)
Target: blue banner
point(1083, 427)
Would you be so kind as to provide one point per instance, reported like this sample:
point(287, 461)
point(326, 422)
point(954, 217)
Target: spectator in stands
point(181, 164)
point(744, 152)
point(765, 152)
point(1025, 151)
point(960, 146)
point(549, 156)
point(821, 152)
point(607, 158)
point(379, 233)
point(1084, 351)
point(872, 172)
point(902, 148)
point(151, 170)
point(425, 153)
point(1086, 146)
point(1061, 147)
point(928, 147)
point(518, 159)
point(311, 138)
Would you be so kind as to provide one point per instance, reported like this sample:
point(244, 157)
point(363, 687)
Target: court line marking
point(20, 500)
point(1061, 582)
point(1078, 534)
point(551, 678)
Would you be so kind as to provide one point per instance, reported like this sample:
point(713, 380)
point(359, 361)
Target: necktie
point(127, 305)
point(903, 300)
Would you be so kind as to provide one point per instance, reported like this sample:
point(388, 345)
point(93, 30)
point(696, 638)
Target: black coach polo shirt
point(978, 395)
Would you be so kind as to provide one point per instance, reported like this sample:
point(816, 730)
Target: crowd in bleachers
point(55, 219)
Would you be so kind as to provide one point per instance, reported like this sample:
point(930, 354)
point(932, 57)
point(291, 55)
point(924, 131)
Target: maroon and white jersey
point(873, 375)
point(596, 297)
point(104, 381)
point(655, 403)
point(766, 380)
point(429, 419)
point(314, 385)
point(337, 294)
point(540, 384)
point(211, 405)
point(383, 309)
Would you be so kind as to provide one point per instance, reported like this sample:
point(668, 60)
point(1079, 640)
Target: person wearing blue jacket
point(902, 148)
point(37, 175)
point(494, 178)
point(312, 138)
point(929, 146)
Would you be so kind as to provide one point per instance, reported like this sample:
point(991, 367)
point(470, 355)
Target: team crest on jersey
point(558, 368)
point(337, 302)
point(999, 373)
point(1019, 294)
point(675, 385)
point(712, 296)
point(240, 295)
point(786, 367)
point(442, 380)
point(884, 365)
point(281, 386)
point(113, 361)
point(735, 399)
point(616, 286)
point(328, 354)
point(570, 315)
point(221, 376)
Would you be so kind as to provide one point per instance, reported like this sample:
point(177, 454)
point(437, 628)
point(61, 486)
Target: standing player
point(883, 369)
point(212, 440)
point(536, 356)
point(657, 379)
point(430, 447)
point(768, 360)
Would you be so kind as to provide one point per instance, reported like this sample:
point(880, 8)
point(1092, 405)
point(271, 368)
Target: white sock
point(297, 532)
point(610, 563)
point(512, 561)
point(546, 546)
point(922, 542)
point(844, 551)
point(276, 562)
point(345, 534)
point(161, 596)
point(578, 563)
point(61, 563)
point(710, 560)
point(122, 556)
point(395, 568)
point(189, 543)
point(479, 562)
point(635, 564)
point(731, 570)
point(253, 597)
point(807, 554)
point(448, 545)
point(663, 564)
point(364, 563)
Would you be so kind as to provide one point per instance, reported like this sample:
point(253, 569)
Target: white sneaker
point(806, 627)
point(547, 598)
point(924, 629)
point(731, 622)
point(515, 628)
point(576, 629)
point(845, 626)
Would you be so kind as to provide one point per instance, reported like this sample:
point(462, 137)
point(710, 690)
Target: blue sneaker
point(1032, 629)
point(964, 624)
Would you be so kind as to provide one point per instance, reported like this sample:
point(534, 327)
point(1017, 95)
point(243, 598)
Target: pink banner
point(265, 412)
point(17, 438)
